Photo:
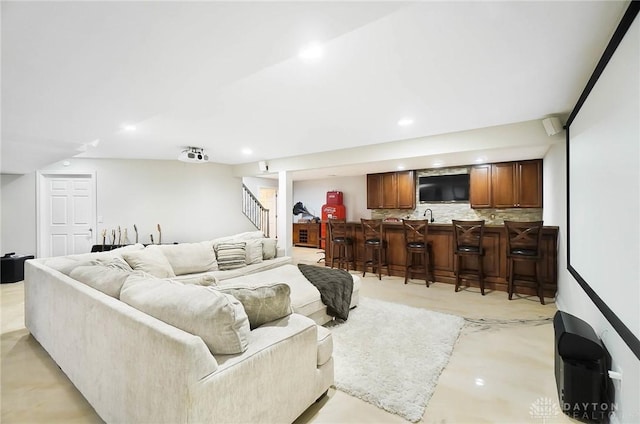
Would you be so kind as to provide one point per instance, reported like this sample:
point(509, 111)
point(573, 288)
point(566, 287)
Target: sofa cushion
point(230, 255)
point(116, 263)
point(189, 258)
point(218, 318)
point(202, 279)
point(65, 264)
point(151, 261)
point(102, 277)
point(249, 235)
point(269, 248)
point(262, 304)
point(253, 251)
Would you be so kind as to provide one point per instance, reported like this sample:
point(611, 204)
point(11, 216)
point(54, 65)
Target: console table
point(306, 234)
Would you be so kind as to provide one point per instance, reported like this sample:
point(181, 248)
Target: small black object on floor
point(12, 267)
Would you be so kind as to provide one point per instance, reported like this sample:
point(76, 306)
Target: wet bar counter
point(441, 241)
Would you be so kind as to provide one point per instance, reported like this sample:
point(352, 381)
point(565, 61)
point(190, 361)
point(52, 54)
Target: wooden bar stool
point(524, 244)
point(341, 239)
point(467, 242)
point(373, 241)
point(415, 242)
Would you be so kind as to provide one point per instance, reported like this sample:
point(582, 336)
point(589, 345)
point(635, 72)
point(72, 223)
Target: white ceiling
point(227, 76)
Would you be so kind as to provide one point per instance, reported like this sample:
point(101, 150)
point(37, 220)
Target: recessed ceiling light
point(129, 127)
point(313, 51)
point(247, 151)
point(405, 121)
point(479, 382)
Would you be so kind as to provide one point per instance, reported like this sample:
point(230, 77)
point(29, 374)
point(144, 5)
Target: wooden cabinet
point(391, 190)
point(529, 184)
point(503, 185)
point(306, 234)
point(406, 181)
point(507, 185)
point(480, 186)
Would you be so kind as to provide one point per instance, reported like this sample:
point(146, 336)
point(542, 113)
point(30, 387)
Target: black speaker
point(580, 368)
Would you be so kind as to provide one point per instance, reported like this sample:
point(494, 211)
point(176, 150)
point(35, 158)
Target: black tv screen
point(444, 188)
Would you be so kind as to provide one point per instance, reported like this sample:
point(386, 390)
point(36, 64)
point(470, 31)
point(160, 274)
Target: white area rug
point(391, 355)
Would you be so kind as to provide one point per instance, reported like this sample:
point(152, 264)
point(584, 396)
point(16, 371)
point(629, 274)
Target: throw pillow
point(230, 255)
point(254, 251)
point(189, 258)
point(218, 318)
point(151, 261)
point(263, 303)
point(269, 248)
point(104, 278)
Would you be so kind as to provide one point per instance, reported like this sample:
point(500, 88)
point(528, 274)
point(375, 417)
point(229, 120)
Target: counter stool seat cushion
point(469, 249)
point(524, 252)
point(373, 242)
point(416, 245)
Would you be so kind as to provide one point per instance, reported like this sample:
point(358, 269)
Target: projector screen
point(603, 165)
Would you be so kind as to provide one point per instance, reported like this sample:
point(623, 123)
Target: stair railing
point(253, 209)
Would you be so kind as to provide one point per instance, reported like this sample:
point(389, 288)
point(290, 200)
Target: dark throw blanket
point(335, 287)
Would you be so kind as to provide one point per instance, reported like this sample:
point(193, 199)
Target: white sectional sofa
point(134, 358)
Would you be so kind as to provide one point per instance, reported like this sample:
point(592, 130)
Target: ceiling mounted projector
point(193, 155)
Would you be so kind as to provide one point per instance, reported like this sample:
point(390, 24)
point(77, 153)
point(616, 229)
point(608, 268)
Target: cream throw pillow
point(253, 251)
point(269, 248)
point(189, 258)
point(151, 261)
point(219, 319)
point(263, 303)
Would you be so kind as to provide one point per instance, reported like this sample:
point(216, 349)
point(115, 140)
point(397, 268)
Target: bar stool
point(467, 242)
point(340, 238)
point(524, 244)
point(373, 240)
point(415, 242)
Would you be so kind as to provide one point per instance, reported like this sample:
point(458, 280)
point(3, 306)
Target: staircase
point(253, 209)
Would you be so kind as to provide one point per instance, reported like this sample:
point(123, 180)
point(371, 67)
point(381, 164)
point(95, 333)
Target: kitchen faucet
point(430, 213)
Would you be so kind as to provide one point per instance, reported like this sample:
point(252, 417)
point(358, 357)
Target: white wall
point(572, 299)
point(191, 202)
point(313, 194)
point(18, 206)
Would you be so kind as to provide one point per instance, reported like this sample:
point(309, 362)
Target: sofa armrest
point(275, 380)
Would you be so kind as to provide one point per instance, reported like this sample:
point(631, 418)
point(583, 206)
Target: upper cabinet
point(391, 190)
point(507, 185)
point(480, 186)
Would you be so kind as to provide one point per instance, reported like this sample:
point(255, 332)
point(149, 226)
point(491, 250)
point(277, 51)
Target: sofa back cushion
point(64, 264)
point(218, 318)
point(151, 261)
point(189, 258)
point(105, 278)
point(264, 303)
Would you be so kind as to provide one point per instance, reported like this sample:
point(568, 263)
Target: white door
point(66, 213)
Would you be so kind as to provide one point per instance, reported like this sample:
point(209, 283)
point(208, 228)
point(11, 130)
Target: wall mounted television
point(444, 188)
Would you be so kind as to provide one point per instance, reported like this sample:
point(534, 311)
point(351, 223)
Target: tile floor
point(502, 363)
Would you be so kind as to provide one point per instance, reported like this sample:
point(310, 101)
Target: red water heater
point(333, 209)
